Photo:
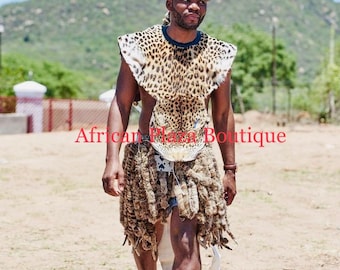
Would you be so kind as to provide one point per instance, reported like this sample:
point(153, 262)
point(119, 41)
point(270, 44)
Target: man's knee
point(183, 234)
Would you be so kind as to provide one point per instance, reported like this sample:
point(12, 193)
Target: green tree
point(60, 82)
point(325, 90)
point(337, 53)
point(252, 69)
point(326, 87)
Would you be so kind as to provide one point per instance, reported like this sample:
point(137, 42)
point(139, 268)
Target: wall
point(13, 123)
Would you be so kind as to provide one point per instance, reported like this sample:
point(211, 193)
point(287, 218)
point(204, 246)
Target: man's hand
point(113, 179)
point(229, 185)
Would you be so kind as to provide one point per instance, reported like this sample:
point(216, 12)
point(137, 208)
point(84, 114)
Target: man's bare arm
point(223, 119)
point(126, 89)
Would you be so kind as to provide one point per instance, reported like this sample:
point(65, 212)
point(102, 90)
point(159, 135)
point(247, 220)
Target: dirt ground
point(54, 214)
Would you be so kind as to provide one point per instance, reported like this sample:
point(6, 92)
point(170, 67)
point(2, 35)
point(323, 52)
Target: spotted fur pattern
point(145, 200)
point(180, 79)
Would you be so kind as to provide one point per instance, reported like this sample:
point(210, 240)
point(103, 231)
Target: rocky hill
point(82, 33)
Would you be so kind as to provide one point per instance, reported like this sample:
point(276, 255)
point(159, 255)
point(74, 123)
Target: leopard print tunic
point(180, 77)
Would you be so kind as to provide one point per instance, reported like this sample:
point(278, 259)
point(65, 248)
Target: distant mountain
point(5, 2)
point(82, 33)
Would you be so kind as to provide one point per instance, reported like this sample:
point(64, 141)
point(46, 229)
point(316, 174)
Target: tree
point(325, 92)
point(252, 69)
point(60, 82)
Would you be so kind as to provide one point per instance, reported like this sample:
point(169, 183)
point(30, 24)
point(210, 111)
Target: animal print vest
point(180, 77)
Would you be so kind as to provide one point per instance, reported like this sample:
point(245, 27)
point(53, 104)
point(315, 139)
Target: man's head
point(187, 14)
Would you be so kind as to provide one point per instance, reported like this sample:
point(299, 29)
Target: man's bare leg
point(145, 261)
point(184, 242)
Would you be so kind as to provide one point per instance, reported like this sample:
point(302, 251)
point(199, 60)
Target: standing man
point(170, 171)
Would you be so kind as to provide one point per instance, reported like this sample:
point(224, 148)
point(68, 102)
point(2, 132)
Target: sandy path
point(54, 214)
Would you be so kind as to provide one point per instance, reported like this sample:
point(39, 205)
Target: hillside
point(82, 33)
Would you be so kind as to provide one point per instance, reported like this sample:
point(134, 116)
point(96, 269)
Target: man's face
point(188, 14)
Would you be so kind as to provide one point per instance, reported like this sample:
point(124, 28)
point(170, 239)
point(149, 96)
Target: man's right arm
point(126, 89)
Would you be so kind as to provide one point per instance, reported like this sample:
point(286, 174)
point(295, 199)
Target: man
point(175, 70)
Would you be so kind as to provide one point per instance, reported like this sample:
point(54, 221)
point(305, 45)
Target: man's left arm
point(223, 119)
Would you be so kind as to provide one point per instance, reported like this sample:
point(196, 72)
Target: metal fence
point(70, 114)
point(58, 114)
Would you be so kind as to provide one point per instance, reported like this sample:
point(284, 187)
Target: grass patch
point(4, 174)
point(261, 195)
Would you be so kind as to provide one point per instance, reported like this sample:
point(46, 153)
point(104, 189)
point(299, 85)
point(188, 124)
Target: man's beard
point(180, 21)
